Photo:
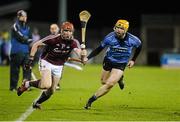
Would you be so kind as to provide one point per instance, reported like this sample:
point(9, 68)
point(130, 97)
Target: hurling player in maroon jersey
point(56, 52)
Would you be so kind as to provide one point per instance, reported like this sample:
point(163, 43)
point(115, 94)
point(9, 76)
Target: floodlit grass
point(150, 94)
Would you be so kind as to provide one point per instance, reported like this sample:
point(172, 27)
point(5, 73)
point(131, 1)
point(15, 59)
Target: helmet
point(67, 26)
point(121, 23)
point(21, 13)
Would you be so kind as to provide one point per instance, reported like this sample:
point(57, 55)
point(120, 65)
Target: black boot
point(121, 83)
point(90, 101)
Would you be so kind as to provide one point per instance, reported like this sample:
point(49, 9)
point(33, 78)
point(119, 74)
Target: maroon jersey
point(58, 50)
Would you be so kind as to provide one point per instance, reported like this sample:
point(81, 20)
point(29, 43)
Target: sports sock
point(34, 83)
point(43, 98)
point(92, 99)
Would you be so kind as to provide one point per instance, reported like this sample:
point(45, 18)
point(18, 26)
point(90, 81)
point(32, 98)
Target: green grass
point(150, 94)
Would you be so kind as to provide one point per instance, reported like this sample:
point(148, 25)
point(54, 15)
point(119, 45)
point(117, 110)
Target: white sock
point(27, 84)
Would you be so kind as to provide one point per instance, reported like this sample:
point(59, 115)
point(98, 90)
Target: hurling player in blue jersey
point(120, 44)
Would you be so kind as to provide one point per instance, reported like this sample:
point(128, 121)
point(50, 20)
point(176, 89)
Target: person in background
point(6, 47)
point(21, 38)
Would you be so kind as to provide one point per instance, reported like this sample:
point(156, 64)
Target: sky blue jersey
point(119, 51)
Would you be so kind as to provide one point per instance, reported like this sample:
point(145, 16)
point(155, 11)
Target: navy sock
point(43, 98)
point(92, 99)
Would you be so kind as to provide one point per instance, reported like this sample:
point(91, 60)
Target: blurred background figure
point(1, 41)
point(5, 47)
point(21, 38)
point(35, 34)
point(54, 29)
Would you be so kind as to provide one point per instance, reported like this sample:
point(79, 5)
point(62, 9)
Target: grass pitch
point(150, 94)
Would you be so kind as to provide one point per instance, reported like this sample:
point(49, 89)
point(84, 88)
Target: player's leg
point(58, 87)
point(122, 67)
point(44, 83)
point(115, 75)
point(56, 75)
point(26, 72)
point(121, 82)
point(104, 76)
point(46, 94)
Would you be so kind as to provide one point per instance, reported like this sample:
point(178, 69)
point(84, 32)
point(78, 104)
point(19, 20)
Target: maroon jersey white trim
point(57, 50)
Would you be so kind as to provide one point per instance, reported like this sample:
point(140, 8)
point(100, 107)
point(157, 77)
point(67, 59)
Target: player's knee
point(45, 85)
point(103, 81)
point(110, 84)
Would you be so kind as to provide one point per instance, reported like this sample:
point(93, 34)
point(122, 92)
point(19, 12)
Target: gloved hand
point(29, 41)
point(28, 64)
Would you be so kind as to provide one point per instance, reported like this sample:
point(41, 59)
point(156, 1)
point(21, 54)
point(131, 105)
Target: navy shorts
point(108, 65)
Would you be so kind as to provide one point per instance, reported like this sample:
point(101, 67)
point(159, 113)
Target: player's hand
point(130, 63)
point(85, 60)
point(83, 54)
point(30, 41)
point(28, 64)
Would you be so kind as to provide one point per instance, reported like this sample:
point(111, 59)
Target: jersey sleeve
point(17, 33)
point(47, 42)
point(104, 42)
point(75, 44)
point(47, 39)
point(137, 42)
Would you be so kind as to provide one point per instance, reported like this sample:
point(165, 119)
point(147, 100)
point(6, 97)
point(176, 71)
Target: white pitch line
point(25, 115)
point(30, 109)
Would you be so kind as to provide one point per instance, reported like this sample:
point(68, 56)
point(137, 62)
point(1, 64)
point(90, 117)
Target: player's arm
point(41, 42)
point(136, 53)
point(35, 48)
point(77, 48)
point(77, 51)
point(81, 52)
point(20, 37)
point(28, 64)
point(95, 52)
point(134, 57)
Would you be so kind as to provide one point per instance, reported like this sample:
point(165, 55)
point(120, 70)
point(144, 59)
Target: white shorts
point(55, 69)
